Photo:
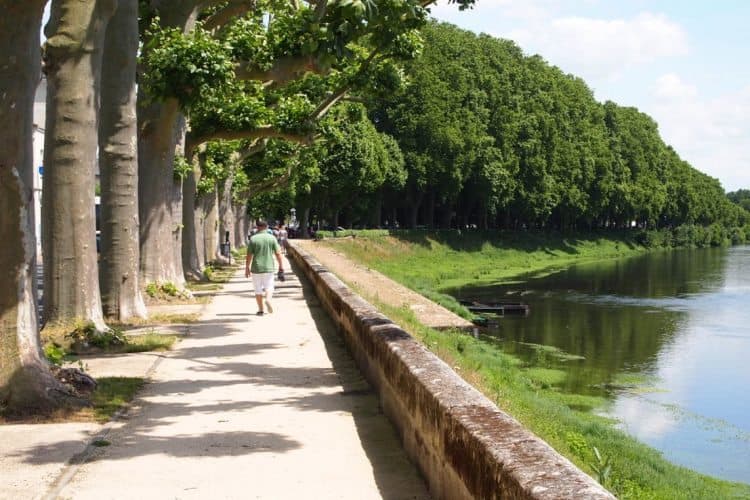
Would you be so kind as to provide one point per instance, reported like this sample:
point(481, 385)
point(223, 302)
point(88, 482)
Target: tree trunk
point(304, 222)
point(160, 129)
point(118, 271)
point(73, 56)
point(240, 226)
point(160, 226)
point(413, 205)
point(226, 215)
point(200, 228)
point(429, 215)
point(26, 383)
point(377, 210)
point(191, 262)
point(210, 225)
point(447, 216)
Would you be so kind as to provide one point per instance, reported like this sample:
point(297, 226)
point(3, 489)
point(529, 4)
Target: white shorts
point(261, 282)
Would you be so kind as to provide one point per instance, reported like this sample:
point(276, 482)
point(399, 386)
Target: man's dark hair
point(261, 223)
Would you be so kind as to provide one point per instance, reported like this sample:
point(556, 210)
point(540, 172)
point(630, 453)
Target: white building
point(40, 103)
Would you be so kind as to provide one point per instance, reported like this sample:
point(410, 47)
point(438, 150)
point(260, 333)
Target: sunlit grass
point(111, 394)
point(151, 341)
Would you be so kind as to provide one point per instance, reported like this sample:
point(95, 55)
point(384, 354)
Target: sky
point(685, 63)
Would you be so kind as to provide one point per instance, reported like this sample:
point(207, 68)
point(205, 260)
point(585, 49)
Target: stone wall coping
point(465, 446)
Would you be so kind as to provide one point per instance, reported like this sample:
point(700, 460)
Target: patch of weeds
point(548, 353)
point(151, 341)
point(199, 286)
point(171, 318)
point(54, 353)
point(165, 291)
point(100, 443)
point(208, 273)
point(112, 393)
point(86, 336)
point(602, 467)
point(581, 402)
point(545, 377)
point(170, 289)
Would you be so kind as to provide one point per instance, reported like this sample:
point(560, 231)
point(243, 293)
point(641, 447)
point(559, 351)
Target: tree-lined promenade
point(352, 111)
point(208, 71)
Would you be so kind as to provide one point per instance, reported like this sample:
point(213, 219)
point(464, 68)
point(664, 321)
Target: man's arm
point(248, 262)
point(278, 259)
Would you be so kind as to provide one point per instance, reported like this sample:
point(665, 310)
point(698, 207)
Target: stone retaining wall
point(463, 444)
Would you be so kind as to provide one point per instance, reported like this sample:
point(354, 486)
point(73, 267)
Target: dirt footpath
point(373, 285)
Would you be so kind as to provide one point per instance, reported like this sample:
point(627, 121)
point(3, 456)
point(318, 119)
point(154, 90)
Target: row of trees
point(493, 138)
point(221, 84)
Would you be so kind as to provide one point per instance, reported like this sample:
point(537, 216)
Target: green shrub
point(54, 353)
point(170, 289)
point(87, 335)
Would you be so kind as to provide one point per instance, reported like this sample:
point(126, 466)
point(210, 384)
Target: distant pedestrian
point(282, 237)
point(261, 250)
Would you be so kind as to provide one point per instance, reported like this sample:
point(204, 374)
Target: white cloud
point(670, 86)
point(712, 134)
point(599, 48)
point(505, 9)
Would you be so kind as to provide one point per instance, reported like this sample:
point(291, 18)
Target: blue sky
point(685, 63)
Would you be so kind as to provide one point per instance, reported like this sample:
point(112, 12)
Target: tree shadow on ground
point(380, 439)
point(218, 404)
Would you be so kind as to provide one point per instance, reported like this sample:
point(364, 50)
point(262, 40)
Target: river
point(663, 337)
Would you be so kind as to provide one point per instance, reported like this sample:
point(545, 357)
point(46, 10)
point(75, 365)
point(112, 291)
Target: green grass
point(531, 395)
point(439, 262)
point(159, 319)
point(564, 420)
point(112, 393)
point(151, 341)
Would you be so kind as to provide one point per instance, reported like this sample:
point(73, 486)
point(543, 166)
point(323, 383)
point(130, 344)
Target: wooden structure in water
point(499, 308)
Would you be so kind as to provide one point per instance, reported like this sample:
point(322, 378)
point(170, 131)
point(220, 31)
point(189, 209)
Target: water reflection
point(676, 319)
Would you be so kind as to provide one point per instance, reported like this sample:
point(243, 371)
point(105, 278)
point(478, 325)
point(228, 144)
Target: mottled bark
point(200, 227)
point(210, 203)
point(191, 261)
point(26, 382)
point(73, 54)
point(226, 214)
point(118, 162)
point(160, 130)
point(241, 225)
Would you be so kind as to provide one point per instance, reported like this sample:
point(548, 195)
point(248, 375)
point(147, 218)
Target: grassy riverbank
point(439, 262)
point(433, 263)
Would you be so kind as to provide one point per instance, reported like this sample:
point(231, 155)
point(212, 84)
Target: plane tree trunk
point(191, 261)
point(160, 130)
point(120, 253)
point(73, 56)
point(210, 203)
point(26, 381)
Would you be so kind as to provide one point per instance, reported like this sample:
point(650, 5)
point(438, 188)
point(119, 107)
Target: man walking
point(259, 264)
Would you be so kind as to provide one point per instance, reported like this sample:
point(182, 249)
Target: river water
point(664, 337)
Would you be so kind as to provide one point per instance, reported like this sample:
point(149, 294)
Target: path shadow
point(162, 402)
point(395, 476)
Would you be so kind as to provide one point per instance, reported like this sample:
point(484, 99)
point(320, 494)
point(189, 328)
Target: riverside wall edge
point(463, 444)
